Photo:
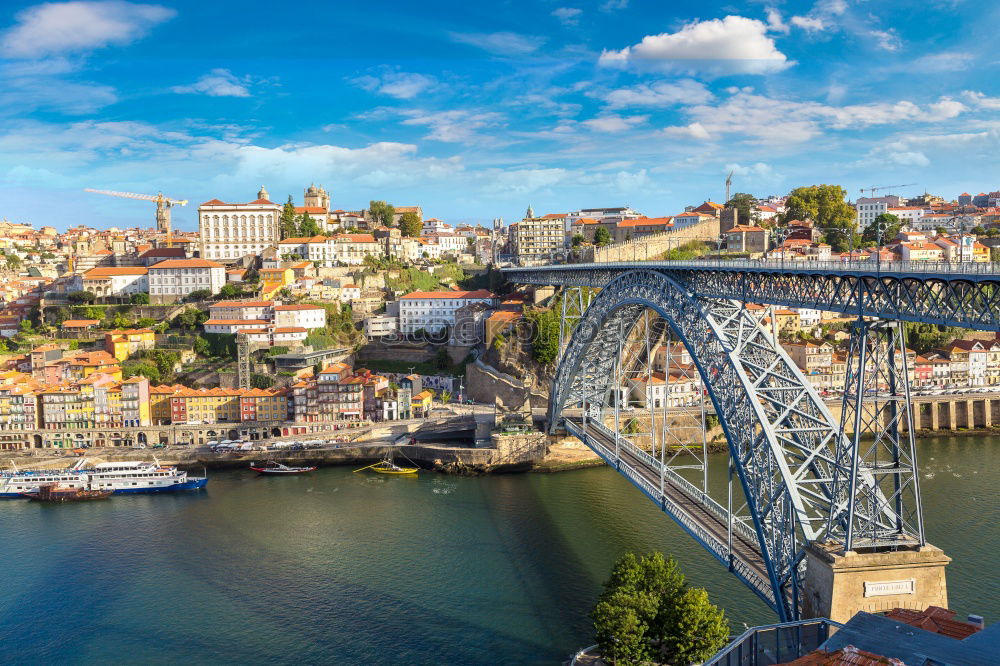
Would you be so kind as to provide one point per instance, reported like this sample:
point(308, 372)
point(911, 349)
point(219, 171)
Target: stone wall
point(485, 384)
point(652, 247)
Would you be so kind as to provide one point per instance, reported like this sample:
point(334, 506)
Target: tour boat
point(117, 477)
point(272, 467)
point(387, 466)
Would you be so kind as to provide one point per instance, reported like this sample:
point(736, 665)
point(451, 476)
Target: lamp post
point(718, 249)
point(880, 230)
point(780, 234)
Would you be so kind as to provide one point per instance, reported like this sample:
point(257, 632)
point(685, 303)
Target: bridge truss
point(800, 477)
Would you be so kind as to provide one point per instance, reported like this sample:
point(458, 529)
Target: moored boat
point(116, 477)
point(272, 467)
point(388, 466)
point(56, 493)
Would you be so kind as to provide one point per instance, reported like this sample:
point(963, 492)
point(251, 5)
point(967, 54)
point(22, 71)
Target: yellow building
point(421, 404)
point(122, 344)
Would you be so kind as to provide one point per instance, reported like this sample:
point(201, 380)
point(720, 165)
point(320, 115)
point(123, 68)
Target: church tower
point(262, 193)
point(316, 197)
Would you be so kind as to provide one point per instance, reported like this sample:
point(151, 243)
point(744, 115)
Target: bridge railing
point(769, 265)
point(715, 545)
point(693, 491)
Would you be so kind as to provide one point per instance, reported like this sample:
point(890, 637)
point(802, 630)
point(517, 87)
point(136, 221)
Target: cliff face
point(514, 358)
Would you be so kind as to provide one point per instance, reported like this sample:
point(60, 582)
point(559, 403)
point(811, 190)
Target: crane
point(872, 190)
point(163, 206)
point(729, 182)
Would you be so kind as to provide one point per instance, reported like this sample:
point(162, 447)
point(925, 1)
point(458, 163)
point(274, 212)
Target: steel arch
point(781, 437)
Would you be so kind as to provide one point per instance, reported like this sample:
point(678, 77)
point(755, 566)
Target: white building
point(300, 316)
point(329, 251)
point(115, 281)
point(380, 325)
point(276, 335)
point(233, 325)
point(435, 226)
point(908, 215)
point(450, 243)
point(434, 311)
point(233, 230)
point(259, 310)
point(176, 278)
point(868, 208)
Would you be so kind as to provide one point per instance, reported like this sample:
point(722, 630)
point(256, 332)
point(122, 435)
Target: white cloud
point(401, 85)
point(612, 122)
point(757, 173)
point(808, 23)
point(613, 5)
point(981, 101)
point(733, 45)
point(948, 61)
point(658, 95)
point(774, 21)
point(25, 94)
point(766, 119)
point(887, 40)
point(217, 83)
point(455, 126)
point(501, 43)
point(569, 16)
point(692, 131)
point(913, 158)
point(65, 27)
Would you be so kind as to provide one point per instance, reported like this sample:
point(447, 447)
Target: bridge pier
point(838, 584)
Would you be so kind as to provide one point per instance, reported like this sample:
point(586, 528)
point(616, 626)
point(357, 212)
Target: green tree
point(647, 613)
point(198, 295)
point(577, 240)
point(746, 207)
point(80, 297)
point(602, 236)
point(307, 226)
point(444, 397)
point(941, 231)
point(201, 346)
point(827, 206)
point(695, 630)
point(139, 299)
point(545, 330)
point(382, 213)
point(925, 337)
point(230, 290)
point(441, 360)
point(892, 223)
point(14, 262)
point(26, 326)
point(979, 230)
point(286, 223)
point(410, 224)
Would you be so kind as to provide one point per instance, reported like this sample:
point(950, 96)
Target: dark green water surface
point(338, 567)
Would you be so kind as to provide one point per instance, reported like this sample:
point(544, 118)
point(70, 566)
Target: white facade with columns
point(232, 230)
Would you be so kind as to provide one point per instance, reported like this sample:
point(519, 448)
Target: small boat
point(53, 492)
point(387, 466)
point(272, 467)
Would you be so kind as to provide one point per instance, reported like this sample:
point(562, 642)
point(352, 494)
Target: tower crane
point(729, 183)
point(872, 190)
point(163, 206)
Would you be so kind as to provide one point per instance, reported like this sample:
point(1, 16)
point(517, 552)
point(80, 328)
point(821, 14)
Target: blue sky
point(475, 110)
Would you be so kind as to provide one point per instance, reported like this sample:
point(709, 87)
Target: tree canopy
point(827, 206)
point(382, 213)
point(746, 207)
point(307, 225)
point(410, 224)
point(648, 613)
point(287, 223)
point(602, 236)
point(892, 223)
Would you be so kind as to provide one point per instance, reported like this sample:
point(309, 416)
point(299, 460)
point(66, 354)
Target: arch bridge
point(633, 333)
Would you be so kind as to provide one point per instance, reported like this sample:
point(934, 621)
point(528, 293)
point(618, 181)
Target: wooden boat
point(53, 492)
point(387, 466)
point(272, 467)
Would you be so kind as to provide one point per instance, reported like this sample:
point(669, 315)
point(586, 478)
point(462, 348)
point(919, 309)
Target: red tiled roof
point(479, 293)
point(108, 271)
point(230, 322)
point(186, 263)
point(934, 619)
point(288, 308)
point(242, 304)
point(80, 323)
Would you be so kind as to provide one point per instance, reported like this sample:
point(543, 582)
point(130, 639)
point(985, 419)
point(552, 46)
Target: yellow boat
point(387, 466)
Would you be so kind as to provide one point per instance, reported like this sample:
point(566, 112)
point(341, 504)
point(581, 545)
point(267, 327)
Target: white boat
point(118, 477)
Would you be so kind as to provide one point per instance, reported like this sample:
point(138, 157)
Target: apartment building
point(229, 231)
point(536, 240)
point(434, 311)
point(174, 279)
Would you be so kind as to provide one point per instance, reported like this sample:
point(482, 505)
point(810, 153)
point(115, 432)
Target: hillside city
point(278, 319)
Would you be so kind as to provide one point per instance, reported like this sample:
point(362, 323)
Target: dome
point(312, 189)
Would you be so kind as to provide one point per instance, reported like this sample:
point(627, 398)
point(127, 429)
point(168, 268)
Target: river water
point(362, 568)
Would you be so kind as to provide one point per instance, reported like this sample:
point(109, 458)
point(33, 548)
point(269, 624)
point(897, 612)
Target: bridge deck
point(697, 514)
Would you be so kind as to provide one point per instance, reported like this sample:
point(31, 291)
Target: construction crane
point(729, 183)
point(872, 190)
point(163, 206)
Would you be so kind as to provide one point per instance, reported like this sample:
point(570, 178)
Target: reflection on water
point(366, 568)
